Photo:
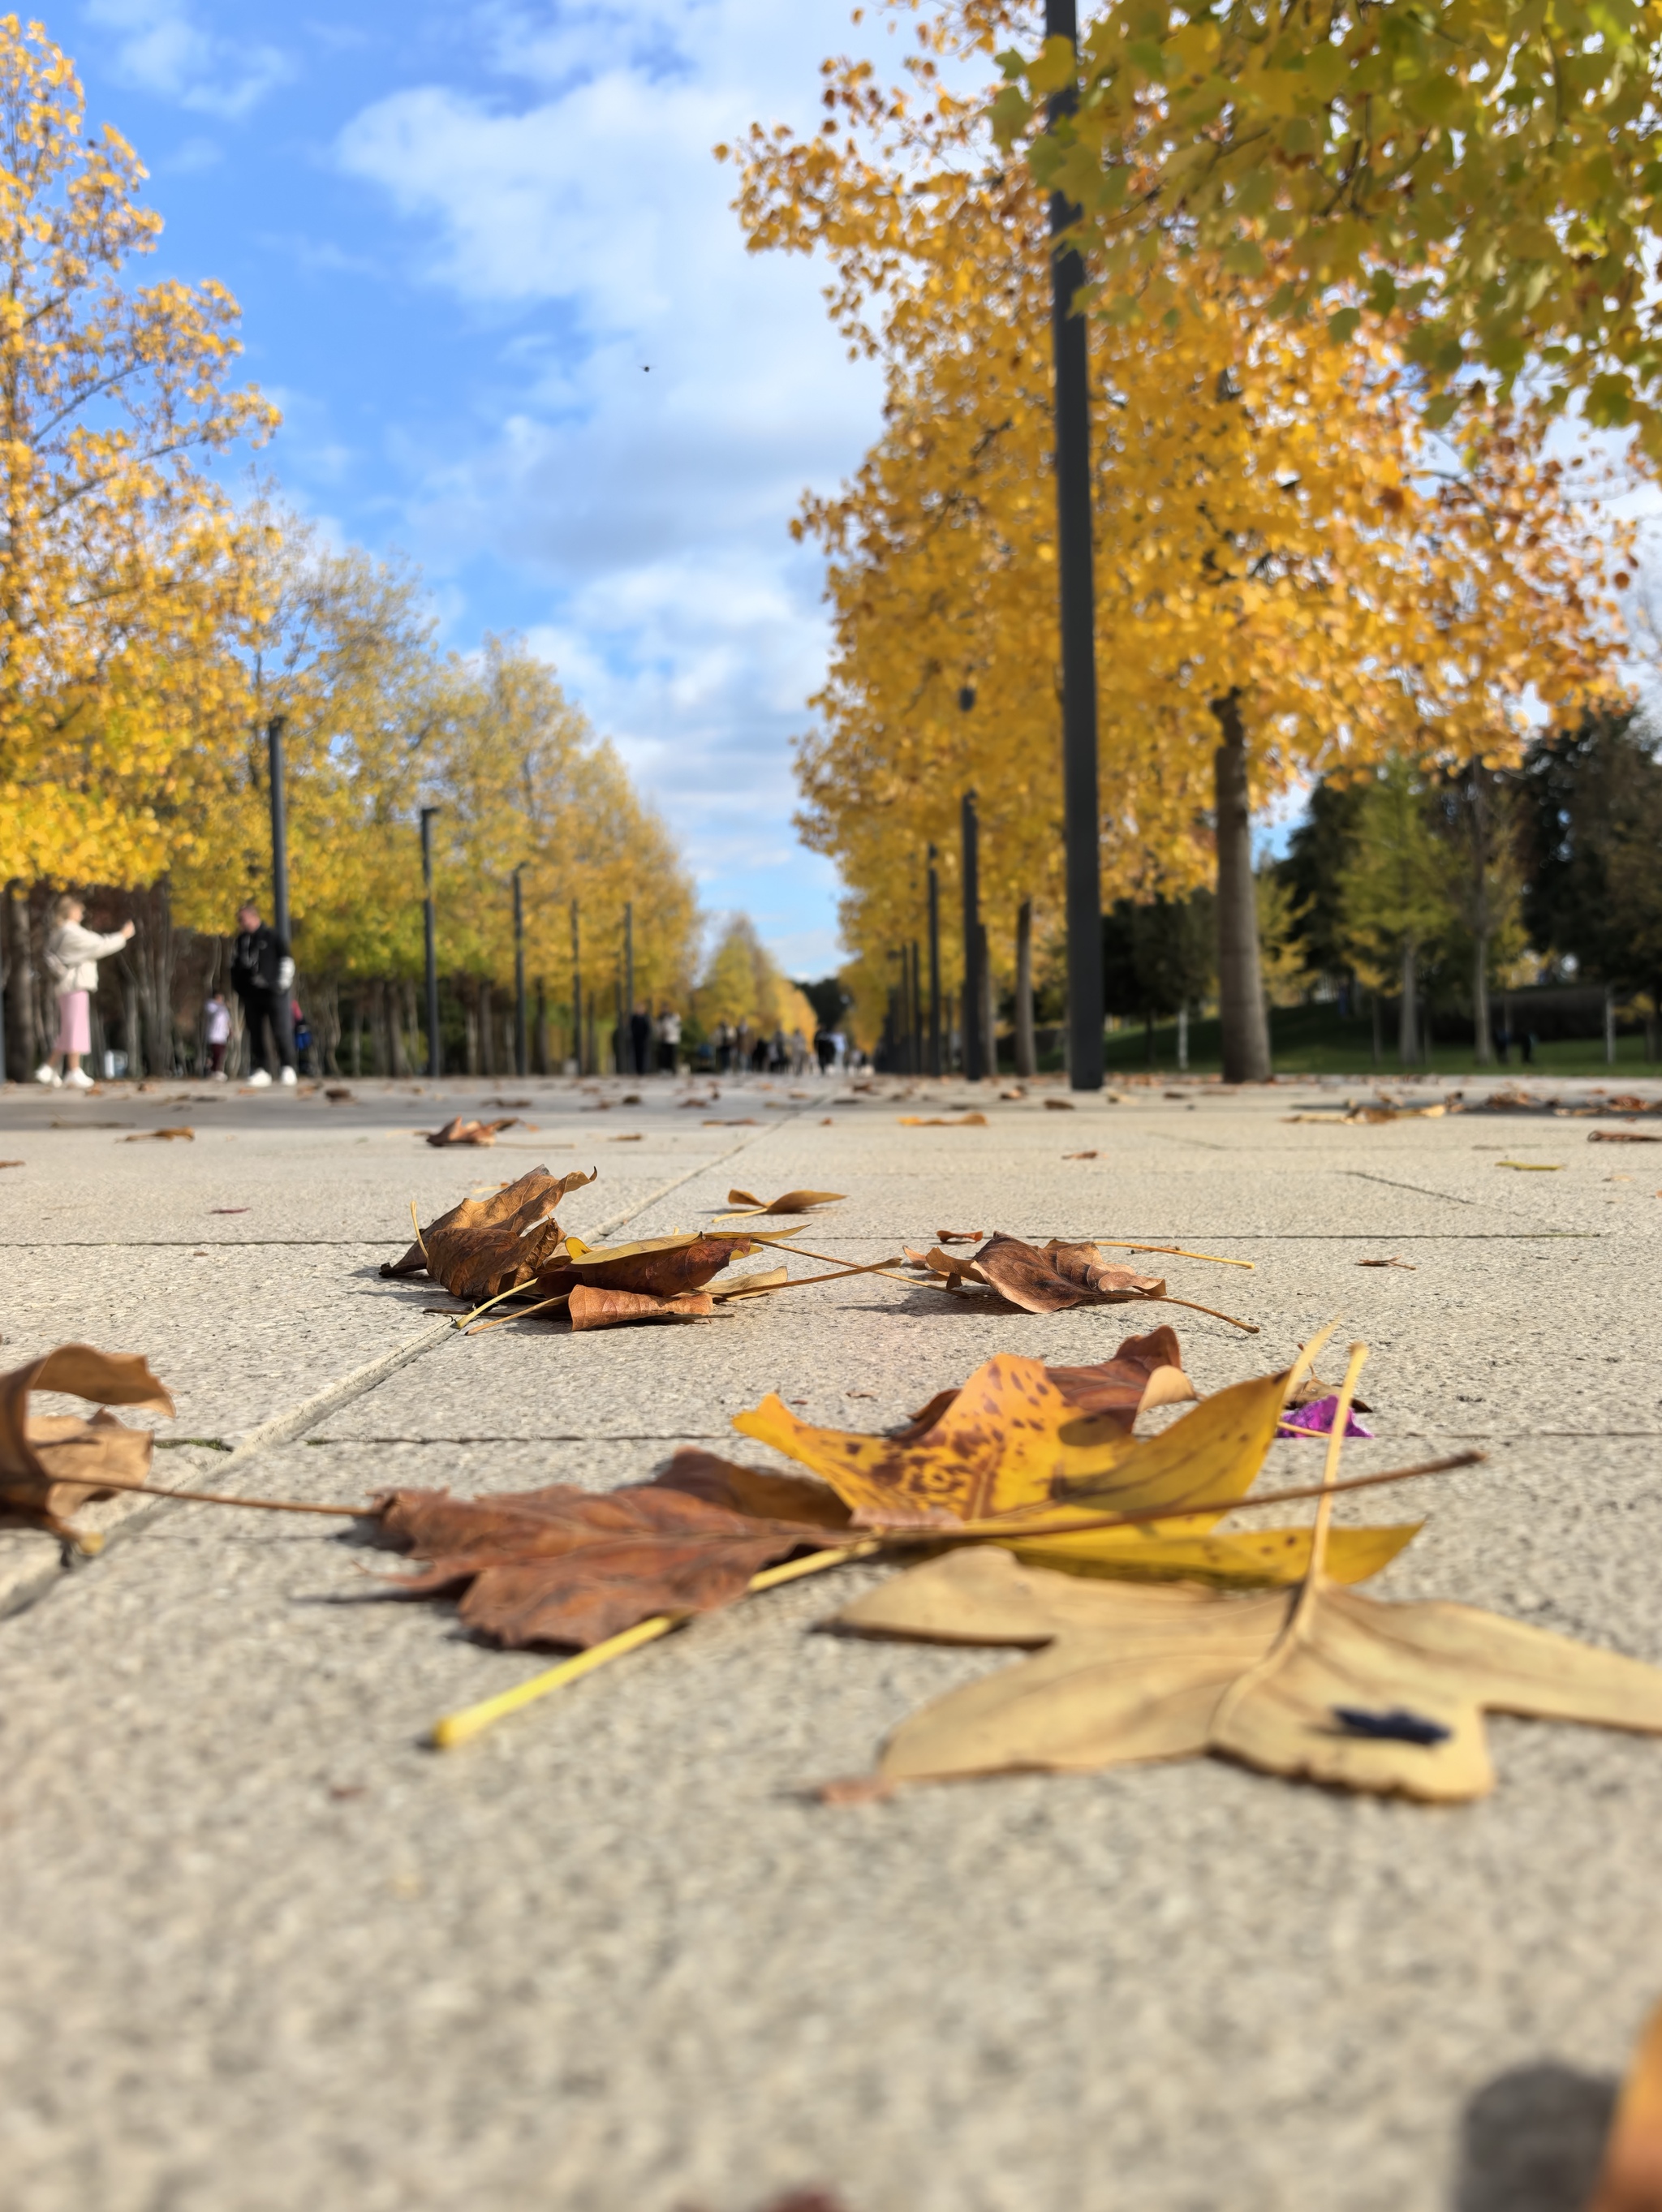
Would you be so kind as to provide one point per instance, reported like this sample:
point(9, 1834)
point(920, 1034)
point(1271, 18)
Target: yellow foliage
point(1270, 521)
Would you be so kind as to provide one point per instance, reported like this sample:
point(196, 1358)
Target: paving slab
point(263, 1951)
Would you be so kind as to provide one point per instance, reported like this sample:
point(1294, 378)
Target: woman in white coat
point(72, 957)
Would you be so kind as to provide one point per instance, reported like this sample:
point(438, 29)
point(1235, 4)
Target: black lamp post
point(577, 990)
point(1081, 803)
point(522, 1049)
point(935, 967)
point(279, 829)
point(970, 830)
point(435, 1051)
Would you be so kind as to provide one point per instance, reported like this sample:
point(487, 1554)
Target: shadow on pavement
point(1531, 2140)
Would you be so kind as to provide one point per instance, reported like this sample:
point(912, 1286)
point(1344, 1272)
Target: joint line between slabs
point(287, 1427)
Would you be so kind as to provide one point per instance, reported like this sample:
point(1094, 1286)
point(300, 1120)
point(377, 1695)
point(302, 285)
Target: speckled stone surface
point(263, 1951)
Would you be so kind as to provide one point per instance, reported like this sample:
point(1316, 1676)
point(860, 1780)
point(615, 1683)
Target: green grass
point(1315, 1041)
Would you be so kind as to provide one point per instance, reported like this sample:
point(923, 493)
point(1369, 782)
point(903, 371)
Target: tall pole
point(279, 830)
point(626, 1019)
point(576, 991)
point(1081, 799)
point(935, 967)
point(521, 1047)
point(970, 830)
point(918, 1016)
point(430, 930)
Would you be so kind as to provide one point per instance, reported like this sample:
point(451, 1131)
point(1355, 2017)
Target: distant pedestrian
point(263, 974)
point(640, 1040)
point(669, 1040)
point(825, 1048)
point(799, 1053)
point(217, 1030)
point(72, 957)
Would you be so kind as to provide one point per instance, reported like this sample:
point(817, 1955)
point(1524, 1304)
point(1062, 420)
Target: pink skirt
point(74, 1025)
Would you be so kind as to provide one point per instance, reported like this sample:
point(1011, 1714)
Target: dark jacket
point(256, 957)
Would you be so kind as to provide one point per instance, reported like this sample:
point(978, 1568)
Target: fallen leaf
point(487, 1245)
point(336, 1094)
point(51, 1463)
point(960, 1236)
point(92, 1125)
point(1145, 1372)
point(11, 1163)
point(515, 1102)
point(1353, 1691)
point(656, 1266)
point(749, 1122)
point(1409, 1264)
point(1621, 1137)
point(634, 1137)
point(1017, 1092)
point(227, 1209)
point(1630, 2179)
point(630, 1098)
point(1047, 1281)
point(568, 1566)
point(793, 1201)
point(1532, 1167)
point(942, 1121)
point(162, 1136)
point(1079, 1156)
point(458, 1132)
point(602, 1309)
point(1016, 1439)
point(1315, 1419)
point(1058, 1105)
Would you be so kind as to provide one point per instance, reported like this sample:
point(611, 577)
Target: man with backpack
point(262, 973)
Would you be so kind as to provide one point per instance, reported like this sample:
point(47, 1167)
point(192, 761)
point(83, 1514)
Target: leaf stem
point(1252, 1327)
point(462, 1727)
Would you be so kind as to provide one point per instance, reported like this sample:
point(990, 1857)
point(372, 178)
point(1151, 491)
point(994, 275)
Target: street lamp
point(1081, 804)
point(970, 831)
point(435, 1053)
point(279, 830)
point(521, 1053)
point(935, 967)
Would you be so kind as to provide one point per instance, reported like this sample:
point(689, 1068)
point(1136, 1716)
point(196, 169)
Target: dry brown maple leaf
point(942, 1121)
point(657, 1267)
point(1045, 1279)
point(603, 1308)
point(458, 1132)
point(1058, 1105)
point(50, 1463)
point(793, 1201)
point(1145, 1372)
point(568, 1566)
point(960, 1236)
point(1630, 2179)
point(1320, 1683)
point(161, 1136)
point(487, 1245)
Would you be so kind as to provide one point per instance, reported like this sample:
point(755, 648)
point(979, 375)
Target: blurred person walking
point(640, 1039)
point(263, 974)
point(216, 1030)
point(72, 957)
point(669, 1040)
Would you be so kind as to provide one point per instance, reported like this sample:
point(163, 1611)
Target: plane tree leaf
point(458, 1132)
point(53, 1463)
point(1318, 1682)
point(606, 1309)
point(1630, 2179)
point(793, 1201)
point(486, 1246)
point(1014, 1440)
point(568, 1566)
point(659, 1266)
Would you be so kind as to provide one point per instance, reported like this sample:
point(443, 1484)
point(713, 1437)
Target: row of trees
point(1420, 886)
point(152, 627)
point(1301, 568)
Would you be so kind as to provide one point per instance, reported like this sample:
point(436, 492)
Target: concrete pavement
point(263, 1951)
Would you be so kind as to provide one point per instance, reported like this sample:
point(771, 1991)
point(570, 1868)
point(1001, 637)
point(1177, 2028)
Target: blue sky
point(488, 271)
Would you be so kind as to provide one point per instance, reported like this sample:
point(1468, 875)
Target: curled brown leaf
point(51, 1463)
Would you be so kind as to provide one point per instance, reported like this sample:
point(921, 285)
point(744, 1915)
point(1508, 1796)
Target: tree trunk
point(1149, 1036)
point(1026, 1051)
point(21, 984)
point(131, 1035)
point(1407, 1033)
point(1484, 1040)
point(1379, 1042)
point(1240, 982)
point(487, 1042)
point(389, 998)
point(539, 1034)
point(989, 998)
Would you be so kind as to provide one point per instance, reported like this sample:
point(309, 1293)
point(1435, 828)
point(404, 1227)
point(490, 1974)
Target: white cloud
point(660, 400)
point(161, 48)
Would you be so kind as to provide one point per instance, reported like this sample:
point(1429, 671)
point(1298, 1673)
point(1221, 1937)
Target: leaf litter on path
point(1319, 1684)
point(51, 1464)
point(458, 1132)
point(793, 1201)
point(1052, 1278)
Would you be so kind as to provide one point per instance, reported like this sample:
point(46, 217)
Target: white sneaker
point(47, 1073)
point(289, 1078)
point(260, 1078)
point(221, 1077)
point(78, 1080)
